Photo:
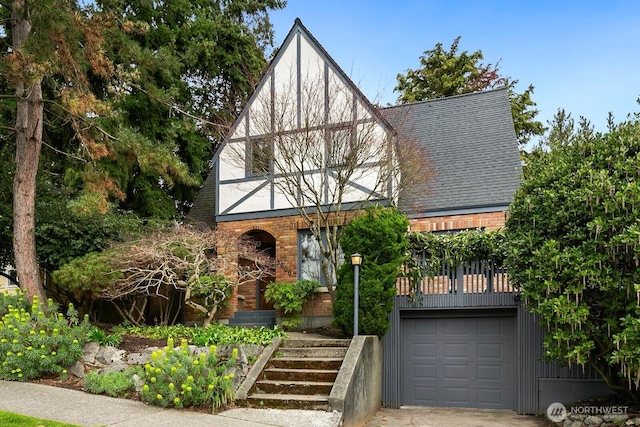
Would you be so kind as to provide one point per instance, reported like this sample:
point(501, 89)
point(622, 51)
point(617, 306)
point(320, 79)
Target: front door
point(267, 244)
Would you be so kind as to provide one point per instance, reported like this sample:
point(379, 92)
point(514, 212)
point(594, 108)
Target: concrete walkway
point(85, 409)
point(452, 417)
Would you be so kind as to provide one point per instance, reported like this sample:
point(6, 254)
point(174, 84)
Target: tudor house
point(308, 142)
point(309, 120)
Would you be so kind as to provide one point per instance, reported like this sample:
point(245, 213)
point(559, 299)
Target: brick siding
point(489, 221)
point(285, 231)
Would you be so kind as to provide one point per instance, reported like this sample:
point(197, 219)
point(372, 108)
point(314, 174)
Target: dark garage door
point(458, 362)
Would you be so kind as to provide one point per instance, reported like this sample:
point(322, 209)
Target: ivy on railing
point(429, 252)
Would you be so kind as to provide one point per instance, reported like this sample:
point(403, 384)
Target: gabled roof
point(299, 28)
point(472, 151)
point(204, 207)
point(473, 156)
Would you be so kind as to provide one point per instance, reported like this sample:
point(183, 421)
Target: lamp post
point(356, 260)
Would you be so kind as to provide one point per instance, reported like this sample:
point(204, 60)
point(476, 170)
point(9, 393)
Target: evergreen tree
point(379, 235)
point(449, 72)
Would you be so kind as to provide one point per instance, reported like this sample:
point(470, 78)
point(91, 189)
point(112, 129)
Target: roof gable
point(300, 51)
point(304, 97)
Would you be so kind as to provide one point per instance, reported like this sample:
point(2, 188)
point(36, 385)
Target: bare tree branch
point(327, 152)
point(202, 263)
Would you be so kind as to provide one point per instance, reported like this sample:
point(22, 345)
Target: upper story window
point(259, 157)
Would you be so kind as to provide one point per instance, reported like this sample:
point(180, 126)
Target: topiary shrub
point(380, 237)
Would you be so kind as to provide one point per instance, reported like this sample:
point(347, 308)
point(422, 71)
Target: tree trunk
point(28, 130)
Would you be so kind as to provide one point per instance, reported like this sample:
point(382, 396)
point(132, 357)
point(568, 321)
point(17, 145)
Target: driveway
point(452, 417)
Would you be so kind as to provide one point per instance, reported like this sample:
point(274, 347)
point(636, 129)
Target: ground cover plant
point(215, 334)
point(111, 383)
point(17, 420)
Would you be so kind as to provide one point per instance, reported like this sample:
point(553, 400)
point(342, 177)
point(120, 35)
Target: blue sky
point(583, 56)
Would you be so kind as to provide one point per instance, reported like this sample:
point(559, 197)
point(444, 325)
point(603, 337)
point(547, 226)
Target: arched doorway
point(253, 293)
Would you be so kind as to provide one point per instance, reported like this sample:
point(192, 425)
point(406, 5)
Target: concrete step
point(306, 362)
point(294, 387)
point(254, 314)
point(284, 374)
point(268, 325)
point(267, 400)
point(254, 319)
point(314, 352)
point(301, 343)
point(300, 375)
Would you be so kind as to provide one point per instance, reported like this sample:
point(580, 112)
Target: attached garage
point(458, 358)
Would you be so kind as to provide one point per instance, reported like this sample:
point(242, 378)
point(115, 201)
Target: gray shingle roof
point(472, 152)
point(203, 209)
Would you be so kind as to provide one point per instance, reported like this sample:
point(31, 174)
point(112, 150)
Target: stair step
point(294, 387)
point(254, 319)
point(298, 343)
point(266, 325)
point(253, 314)
point(285, 374)
point(314, 352)
point(306, 362)
point(299, 401)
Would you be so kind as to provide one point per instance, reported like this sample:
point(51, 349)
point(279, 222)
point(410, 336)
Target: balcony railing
point(476, 283)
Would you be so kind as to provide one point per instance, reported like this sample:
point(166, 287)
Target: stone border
point(243, 391)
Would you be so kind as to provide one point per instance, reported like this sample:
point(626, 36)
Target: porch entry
point(253, 293)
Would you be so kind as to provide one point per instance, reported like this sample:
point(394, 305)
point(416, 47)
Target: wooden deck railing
point(478, 282)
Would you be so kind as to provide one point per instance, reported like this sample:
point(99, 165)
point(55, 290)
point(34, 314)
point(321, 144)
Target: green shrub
point(112, 383)
point(16, 300)
point(101, 337)
point(177, 378)
point(39, 341)
point(380, 237)
point(289, 298)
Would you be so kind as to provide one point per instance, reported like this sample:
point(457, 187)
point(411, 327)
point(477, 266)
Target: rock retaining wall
point(110, 358)
point(578, 420)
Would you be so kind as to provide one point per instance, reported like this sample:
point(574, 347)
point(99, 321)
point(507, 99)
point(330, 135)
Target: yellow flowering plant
point(179, 377)
point(39, 340)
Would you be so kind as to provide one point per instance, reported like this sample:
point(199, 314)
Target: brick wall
point(285, 231)
point(490, 221)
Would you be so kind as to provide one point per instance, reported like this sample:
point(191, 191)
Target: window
point(310, 256)
point(259, 159)
point(7, 279)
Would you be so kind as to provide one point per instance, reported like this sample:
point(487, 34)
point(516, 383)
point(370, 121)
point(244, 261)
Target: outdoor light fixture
point(356, 260)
